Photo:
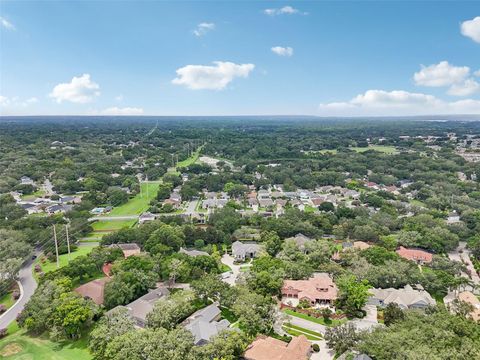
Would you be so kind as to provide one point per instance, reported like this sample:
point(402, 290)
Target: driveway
point(325, 352)
point(370, 319)
point(235, 272)
point(462, 254)
point(190, 209)
point(27, 288)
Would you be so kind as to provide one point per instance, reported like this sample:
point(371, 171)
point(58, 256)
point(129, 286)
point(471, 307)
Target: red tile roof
point(267, 348)
point(415, 254)
point(318, 287)
point(93, 290)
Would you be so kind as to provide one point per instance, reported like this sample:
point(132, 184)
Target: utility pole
point(146, 180)
point(68, 241)
point(56, 245)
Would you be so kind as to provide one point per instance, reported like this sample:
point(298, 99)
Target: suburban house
point(139, 309)
point(406, 298)
point(360, 245)
point(128, 249)
point(145, 217)
point(58, 209)
point(241, 251)
point(193, 252)
point(204, 324)
point(318, 290)
point(268, 348)
point(25, 180)
point(465, 296)
point(300, 240)
point(93, 290)
point(417, 255)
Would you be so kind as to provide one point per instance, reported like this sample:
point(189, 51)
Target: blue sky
point(244, 58)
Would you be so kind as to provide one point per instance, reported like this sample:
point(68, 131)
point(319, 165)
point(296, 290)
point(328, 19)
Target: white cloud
point(282, 51)
point(6, 24)
point(398, 102)
point(217, 77)
point(441, 74)
point(122, 111)
point(119, 98)
point(80, 90)
point(471, 29)
point(203, 28)
point(16, 101)
point(288, 10)
point(477, 73)
point(468, 87)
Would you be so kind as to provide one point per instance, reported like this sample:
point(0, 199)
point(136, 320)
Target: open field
point(380, 148)
point(63, 259)
point(112, 225)
point(139, 203)
point(34, 195)
point(20, 346)
point(191, 160)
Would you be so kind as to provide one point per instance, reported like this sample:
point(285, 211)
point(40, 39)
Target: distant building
point(25, 180)
point(205, 324)
point(268, 348)
point(419, 256)
point(93, 290)
point(317, 290)
point(145, 217)
point(128, 249)
point(406, 298)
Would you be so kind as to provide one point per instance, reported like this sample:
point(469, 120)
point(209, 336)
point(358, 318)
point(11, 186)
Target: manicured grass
point(298, 333)
point(34, 195)
point(330, 322)
point(224, 268)
point(7, 300)
point(20, 346)
point(380, 148)
point(139, 203)
point(301, 329)
point(112, 225)
point(244, 268)
point(48, 266)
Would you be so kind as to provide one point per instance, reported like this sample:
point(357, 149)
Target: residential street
point(462, 253)
point(28, 286)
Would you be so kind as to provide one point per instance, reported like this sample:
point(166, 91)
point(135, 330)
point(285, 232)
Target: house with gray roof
point(300, 240)
point(193, 252)
point(204, 324)
point(406, 298)
point(140, 308)
point(243, 251)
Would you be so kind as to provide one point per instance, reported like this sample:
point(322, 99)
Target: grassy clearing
point(48, 266)
point(20, 346)
point(191, 160)
point(380, 148)
point(34, 195)
point(139, 203)
point(112, 225)
point(329, 322)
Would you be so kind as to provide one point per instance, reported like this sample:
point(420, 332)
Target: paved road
point(28, 285)
point(462, 253)
point(108, 218)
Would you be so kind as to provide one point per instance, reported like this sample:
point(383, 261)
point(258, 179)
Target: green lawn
point(7, 300)
point(191, 160)
point(380, 148)
point(64, 259)
point(330, 322)
point(301, 329)
point(294, 332)
point(20, 346)
point(112, 225)
point(228, 314)
point(34, 195)
point(139, 203)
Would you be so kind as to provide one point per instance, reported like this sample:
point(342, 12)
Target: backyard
point(48, 266)
point(320, 320)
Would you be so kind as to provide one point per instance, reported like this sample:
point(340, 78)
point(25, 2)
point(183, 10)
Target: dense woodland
point(79, 156)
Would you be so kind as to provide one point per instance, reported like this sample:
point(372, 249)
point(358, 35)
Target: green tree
point(353, 294)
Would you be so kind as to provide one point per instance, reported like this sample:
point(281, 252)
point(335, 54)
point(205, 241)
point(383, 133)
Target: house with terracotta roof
point(128, 249)
point(467, 297)
point(417, 255)
point(318, 290)
point(93, 290)
point(268, 348)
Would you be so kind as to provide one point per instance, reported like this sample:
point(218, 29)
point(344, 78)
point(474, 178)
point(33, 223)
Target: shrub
point(3, 308)
point(16, 294)
point(3, 333)
point(315, 347)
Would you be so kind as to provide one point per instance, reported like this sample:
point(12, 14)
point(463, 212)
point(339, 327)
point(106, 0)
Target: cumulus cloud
point(216, 77)
point(398, 102)
point(287, 10)
point(468, 87)
point(477, 73)
point(79, 90)
point(122, 111)
point(441, 74)
point(282, 51)
point(203, 28)
point(471, 29)
point(6, 24)
point(3, 100)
